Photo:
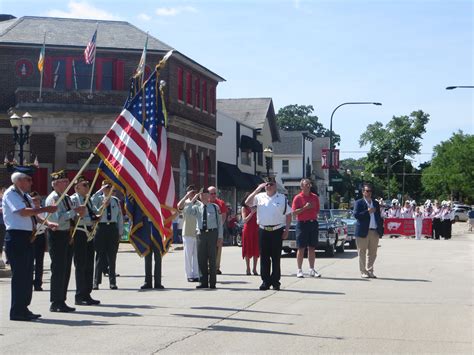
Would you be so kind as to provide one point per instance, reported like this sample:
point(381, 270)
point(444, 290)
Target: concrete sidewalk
point(421, 303)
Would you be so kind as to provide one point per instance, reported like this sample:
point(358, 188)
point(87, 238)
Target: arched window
point(183, 174)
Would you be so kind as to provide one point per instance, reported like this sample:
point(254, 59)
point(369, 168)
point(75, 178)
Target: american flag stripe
point(89, 52)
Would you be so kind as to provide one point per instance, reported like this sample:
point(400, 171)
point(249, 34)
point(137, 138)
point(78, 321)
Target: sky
point(320, 53)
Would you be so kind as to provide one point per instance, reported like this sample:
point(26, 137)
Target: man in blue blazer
point(369, 228)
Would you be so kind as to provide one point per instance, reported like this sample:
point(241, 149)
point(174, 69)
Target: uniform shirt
point(271, 209)
point(393, 212)
point(116, 215)
point(373, 223)
point(406, 213)
point(13, 202)
point(78, 200)
point(214, 219)
point(447, 214)
point(309, 214)
point(189, 222)
point(63, 216)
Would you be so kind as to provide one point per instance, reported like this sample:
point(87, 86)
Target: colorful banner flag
point(41, 58)
point(89, 52)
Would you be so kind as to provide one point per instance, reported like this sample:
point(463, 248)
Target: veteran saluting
point(59, 241)
point(20, 223)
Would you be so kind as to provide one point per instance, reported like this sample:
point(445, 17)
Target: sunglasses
point(269, 184)
point(368, 190)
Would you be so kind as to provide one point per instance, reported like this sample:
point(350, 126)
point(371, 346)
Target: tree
point(300, 118)
point(390, 147)
point(451, 173)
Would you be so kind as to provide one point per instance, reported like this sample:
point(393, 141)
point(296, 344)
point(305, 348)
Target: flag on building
point(135, 157)
point(89, 52)
point(41, 58)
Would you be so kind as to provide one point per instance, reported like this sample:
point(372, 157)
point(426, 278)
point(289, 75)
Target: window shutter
point(48, 73)
point(204, 95)
point(197, 87)
point(189, 89)
point(180, 84)
point(118, 75)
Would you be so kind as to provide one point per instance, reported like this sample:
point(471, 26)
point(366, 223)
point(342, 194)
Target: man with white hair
point(19, 216)
point(59, 241)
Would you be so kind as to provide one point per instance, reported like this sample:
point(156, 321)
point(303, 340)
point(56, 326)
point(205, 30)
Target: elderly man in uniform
point(84, 249)
point(210, 235)
point(273, 218)
point(59, 241)
point(20, 222)
point(110, 228)
point(223, 208)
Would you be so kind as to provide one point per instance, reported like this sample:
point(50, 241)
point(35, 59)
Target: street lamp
point(21, 131)
point(330, 136)
point(268, 153)
point(459, 87)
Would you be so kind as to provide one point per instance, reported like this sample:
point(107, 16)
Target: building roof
point(76, 33)
point(68, 32)
point(291, 142)
point(252, 112)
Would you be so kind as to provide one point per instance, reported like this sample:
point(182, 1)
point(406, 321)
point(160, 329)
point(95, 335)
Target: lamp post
point(21, 131)
point(459, 87)
point(330, 137)
point(389, 167)
point(268, 153)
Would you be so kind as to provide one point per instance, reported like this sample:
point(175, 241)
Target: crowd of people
point(86, 231)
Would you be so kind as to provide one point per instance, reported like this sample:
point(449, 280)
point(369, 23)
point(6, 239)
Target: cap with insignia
point(59, 175)
point(28, 170)
point(80, 178)
point(270, 179)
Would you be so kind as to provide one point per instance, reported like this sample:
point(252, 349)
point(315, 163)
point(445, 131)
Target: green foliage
point(451, 172)
point(301, 118)
point(390, 146)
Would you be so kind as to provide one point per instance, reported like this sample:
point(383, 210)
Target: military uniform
point(60, 247)
point(106, 240)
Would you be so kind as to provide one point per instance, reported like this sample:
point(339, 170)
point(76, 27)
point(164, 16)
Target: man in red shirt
point(222, 206)
point(306, 208)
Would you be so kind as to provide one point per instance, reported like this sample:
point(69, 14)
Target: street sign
point(336, 179)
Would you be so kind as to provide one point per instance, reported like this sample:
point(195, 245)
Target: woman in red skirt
point(249, 236)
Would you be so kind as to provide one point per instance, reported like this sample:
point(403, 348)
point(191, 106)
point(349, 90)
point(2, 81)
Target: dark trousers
point(106, 243)
point(39, 247)
point(84, 265)
point(446, 227)
point(19, 251)
point(2, 238)
point(60, 251)
point(436, 228)
point(206, 250)
point(157, 270)
point(270, 254)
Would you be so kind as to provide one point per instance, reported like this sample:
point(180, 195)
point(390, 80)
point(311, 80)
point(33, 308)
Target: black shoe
point(218, 272)
point(38, 288)
point(21, 318)
point(159, 287)
point(202, 286)
point(61, 308)
point(32, 315)
point(190, 279)
point(91, 301)
point(264, 287)
point(113, 287)
point(95, 287)
point(276, 287)
point(195, 279)
point(213, 287)
point(81, 302)
point(146, 286)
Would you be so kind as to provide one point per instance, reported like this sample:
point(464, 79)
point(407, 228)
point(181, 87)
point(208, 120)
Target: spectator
point(250, 248)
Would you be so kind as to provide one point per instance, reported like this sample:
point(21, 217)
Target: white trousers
point(190, 257)
point(418, 228)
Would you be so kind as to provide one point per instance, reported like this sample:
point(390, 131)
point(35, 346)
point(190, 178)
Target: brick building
point(68, 122)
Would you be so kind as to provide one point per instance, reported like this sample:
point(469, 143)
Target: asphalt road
point(420, 303)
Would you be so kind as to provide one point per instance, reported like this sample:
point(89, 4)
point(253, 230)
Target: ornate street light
point(21, 131)
point(459, 87)
point(268, 153)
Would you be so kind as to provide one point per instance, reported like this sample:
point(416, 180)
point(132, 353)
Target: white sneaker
point(299, 274)
point(314, 273)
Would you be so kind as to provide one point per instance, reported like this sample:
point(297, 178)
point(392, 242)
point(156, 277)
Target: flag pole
point(144, 59)
point(81, 170)
point(88, 196)
point(93, 63)
point(43, 50)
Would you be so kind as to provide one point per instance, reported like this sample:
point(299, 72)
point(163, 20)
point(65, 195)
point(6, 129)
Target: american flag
point(135, 150)
point(89, 52)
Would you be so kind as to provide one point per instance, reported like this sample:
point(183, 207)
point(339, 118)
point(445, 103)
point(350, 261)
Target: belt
point(107, 223)
point(373, 229)
point(208, 230)
point(271, 228)
point(310, 220)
